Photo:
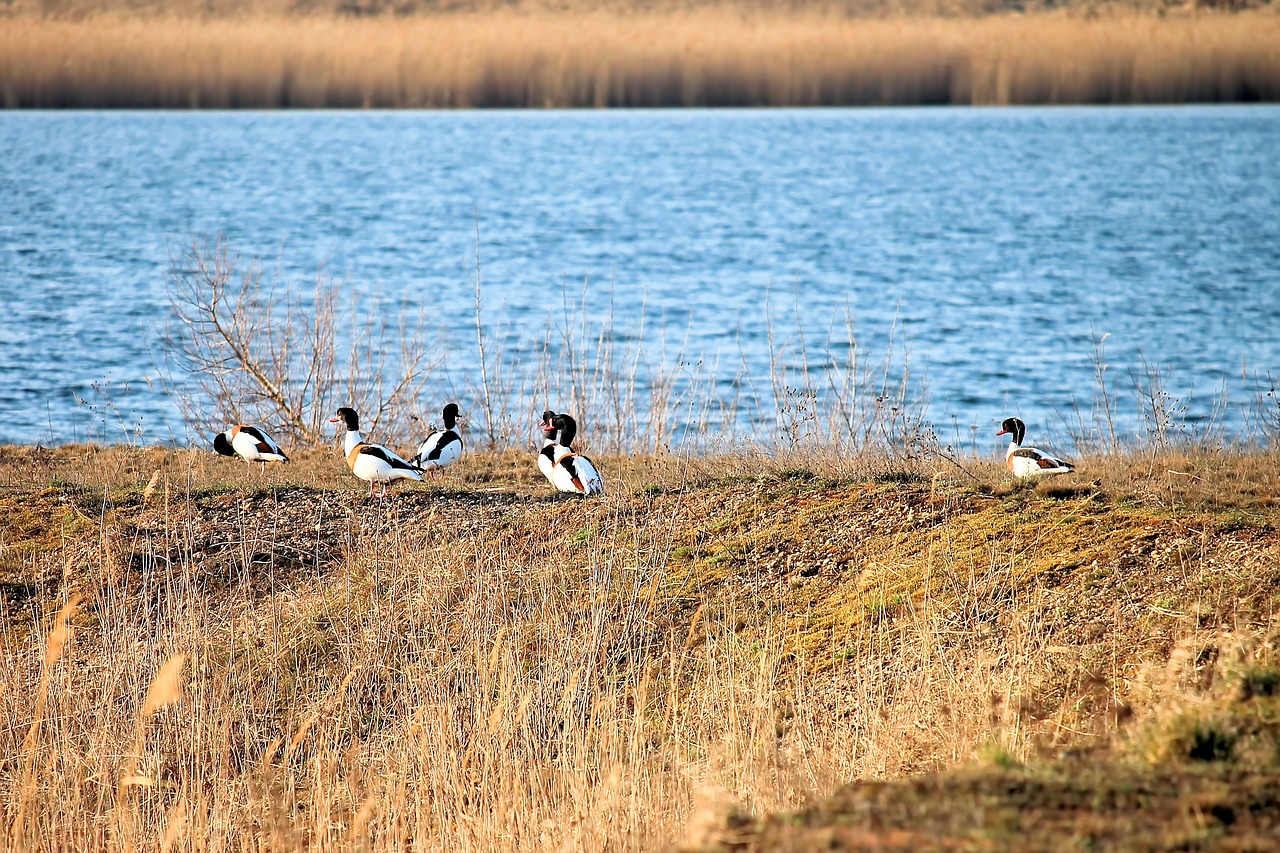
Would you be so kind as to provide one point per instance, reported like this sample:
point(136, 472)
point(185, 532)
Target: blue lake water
point(992, 246)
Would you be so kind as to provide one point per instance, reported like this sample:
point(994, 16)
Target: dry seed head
point(497, 649)
point(693, 628)
point(299, 735)
point(58, 636)
point(151, 486)
point(525, 702)
point(166, 688)
point(176, 823)
point(138, 780)
point(360, 823)
point(495, 718)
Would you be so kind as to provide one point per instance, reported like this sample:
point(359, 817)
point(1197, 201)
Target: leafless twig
point(265, 352)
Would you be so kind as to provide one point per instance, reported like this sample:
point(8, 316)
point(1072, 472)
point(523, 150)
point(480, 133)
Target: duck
point(251, 444)
point(372, 462)
point(442, 447)
point(568, 470)
point(1029, 462)
point(550, 441)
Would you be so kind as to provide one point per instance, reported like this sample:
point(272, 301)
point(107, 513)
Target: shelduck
point(372, 462)
point(1028, 462)
point(567, 470)
point(550, 440)
point(251, 444)
point(442, 447)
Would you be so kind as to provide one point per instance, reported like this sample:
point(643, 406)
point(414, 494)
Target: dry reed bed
point(478, 666)
point(698, 58)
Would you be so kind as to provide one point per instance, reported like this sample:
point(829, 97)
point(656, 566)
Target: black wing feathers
point(567, 463)
point(445, 440)
point(393, 461)
point(1042, 459)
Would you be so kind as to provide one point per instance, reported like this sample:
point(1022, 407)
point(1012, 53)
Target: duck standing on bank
point(442, 447)
point(1028, 462)
point(372, 462)
point(568, 471)
point(251, 444)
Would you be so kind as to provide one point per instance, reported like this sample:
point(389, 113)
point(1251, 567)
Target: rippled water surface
point(992, 246)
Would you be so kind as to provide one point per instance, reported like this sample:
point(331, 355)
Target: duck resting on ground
point(372, 462)
point(1029, 462)
point(550, 440)
point(442, 447)
point(251, 444)
point(568, 471)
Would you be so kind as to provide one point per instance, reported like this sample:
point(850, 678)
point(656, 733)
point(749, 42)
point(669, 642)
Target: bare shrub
point(638, 385)
point(249, 349)
point(845, 400)
point(1163, 414)
point(642, 389)
point(266, 351)
point(1267, 411)
point(1160, 420)
point(1094, 429)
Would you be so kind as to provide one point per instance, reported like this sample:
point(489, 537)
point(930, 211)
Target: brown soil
point(1082, 804)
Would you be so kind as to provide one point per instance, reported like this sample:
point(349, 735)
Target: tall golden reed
point(709, 57)
point(53, 653)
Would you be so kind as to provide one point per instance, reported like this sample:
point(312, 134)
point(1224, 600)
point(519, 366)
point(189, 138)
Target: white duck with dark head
point(442, 447)
point(372, 463)
point(251, 444)
point(1029, 462)
point(567, 470)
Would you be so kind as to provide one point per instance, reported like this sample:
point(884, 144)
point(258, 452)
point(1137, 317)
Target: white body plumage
point(547, 460)
point(442, 447)
point(573, 472)
point(250, 443)
point(1029, 462)
point(372, 463)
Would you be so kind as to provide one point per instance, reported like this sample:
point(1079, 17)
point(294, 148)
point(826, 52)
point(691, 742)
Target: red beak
point(1003, 432)
point(334, 420)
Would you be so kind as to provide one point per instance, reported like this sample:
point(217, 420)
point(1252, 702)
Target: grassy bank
point(709, 57)
point(200, 660)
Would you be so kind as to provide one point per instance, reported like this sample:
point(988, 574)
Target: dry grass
point(479, 666)
point(708, 57)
